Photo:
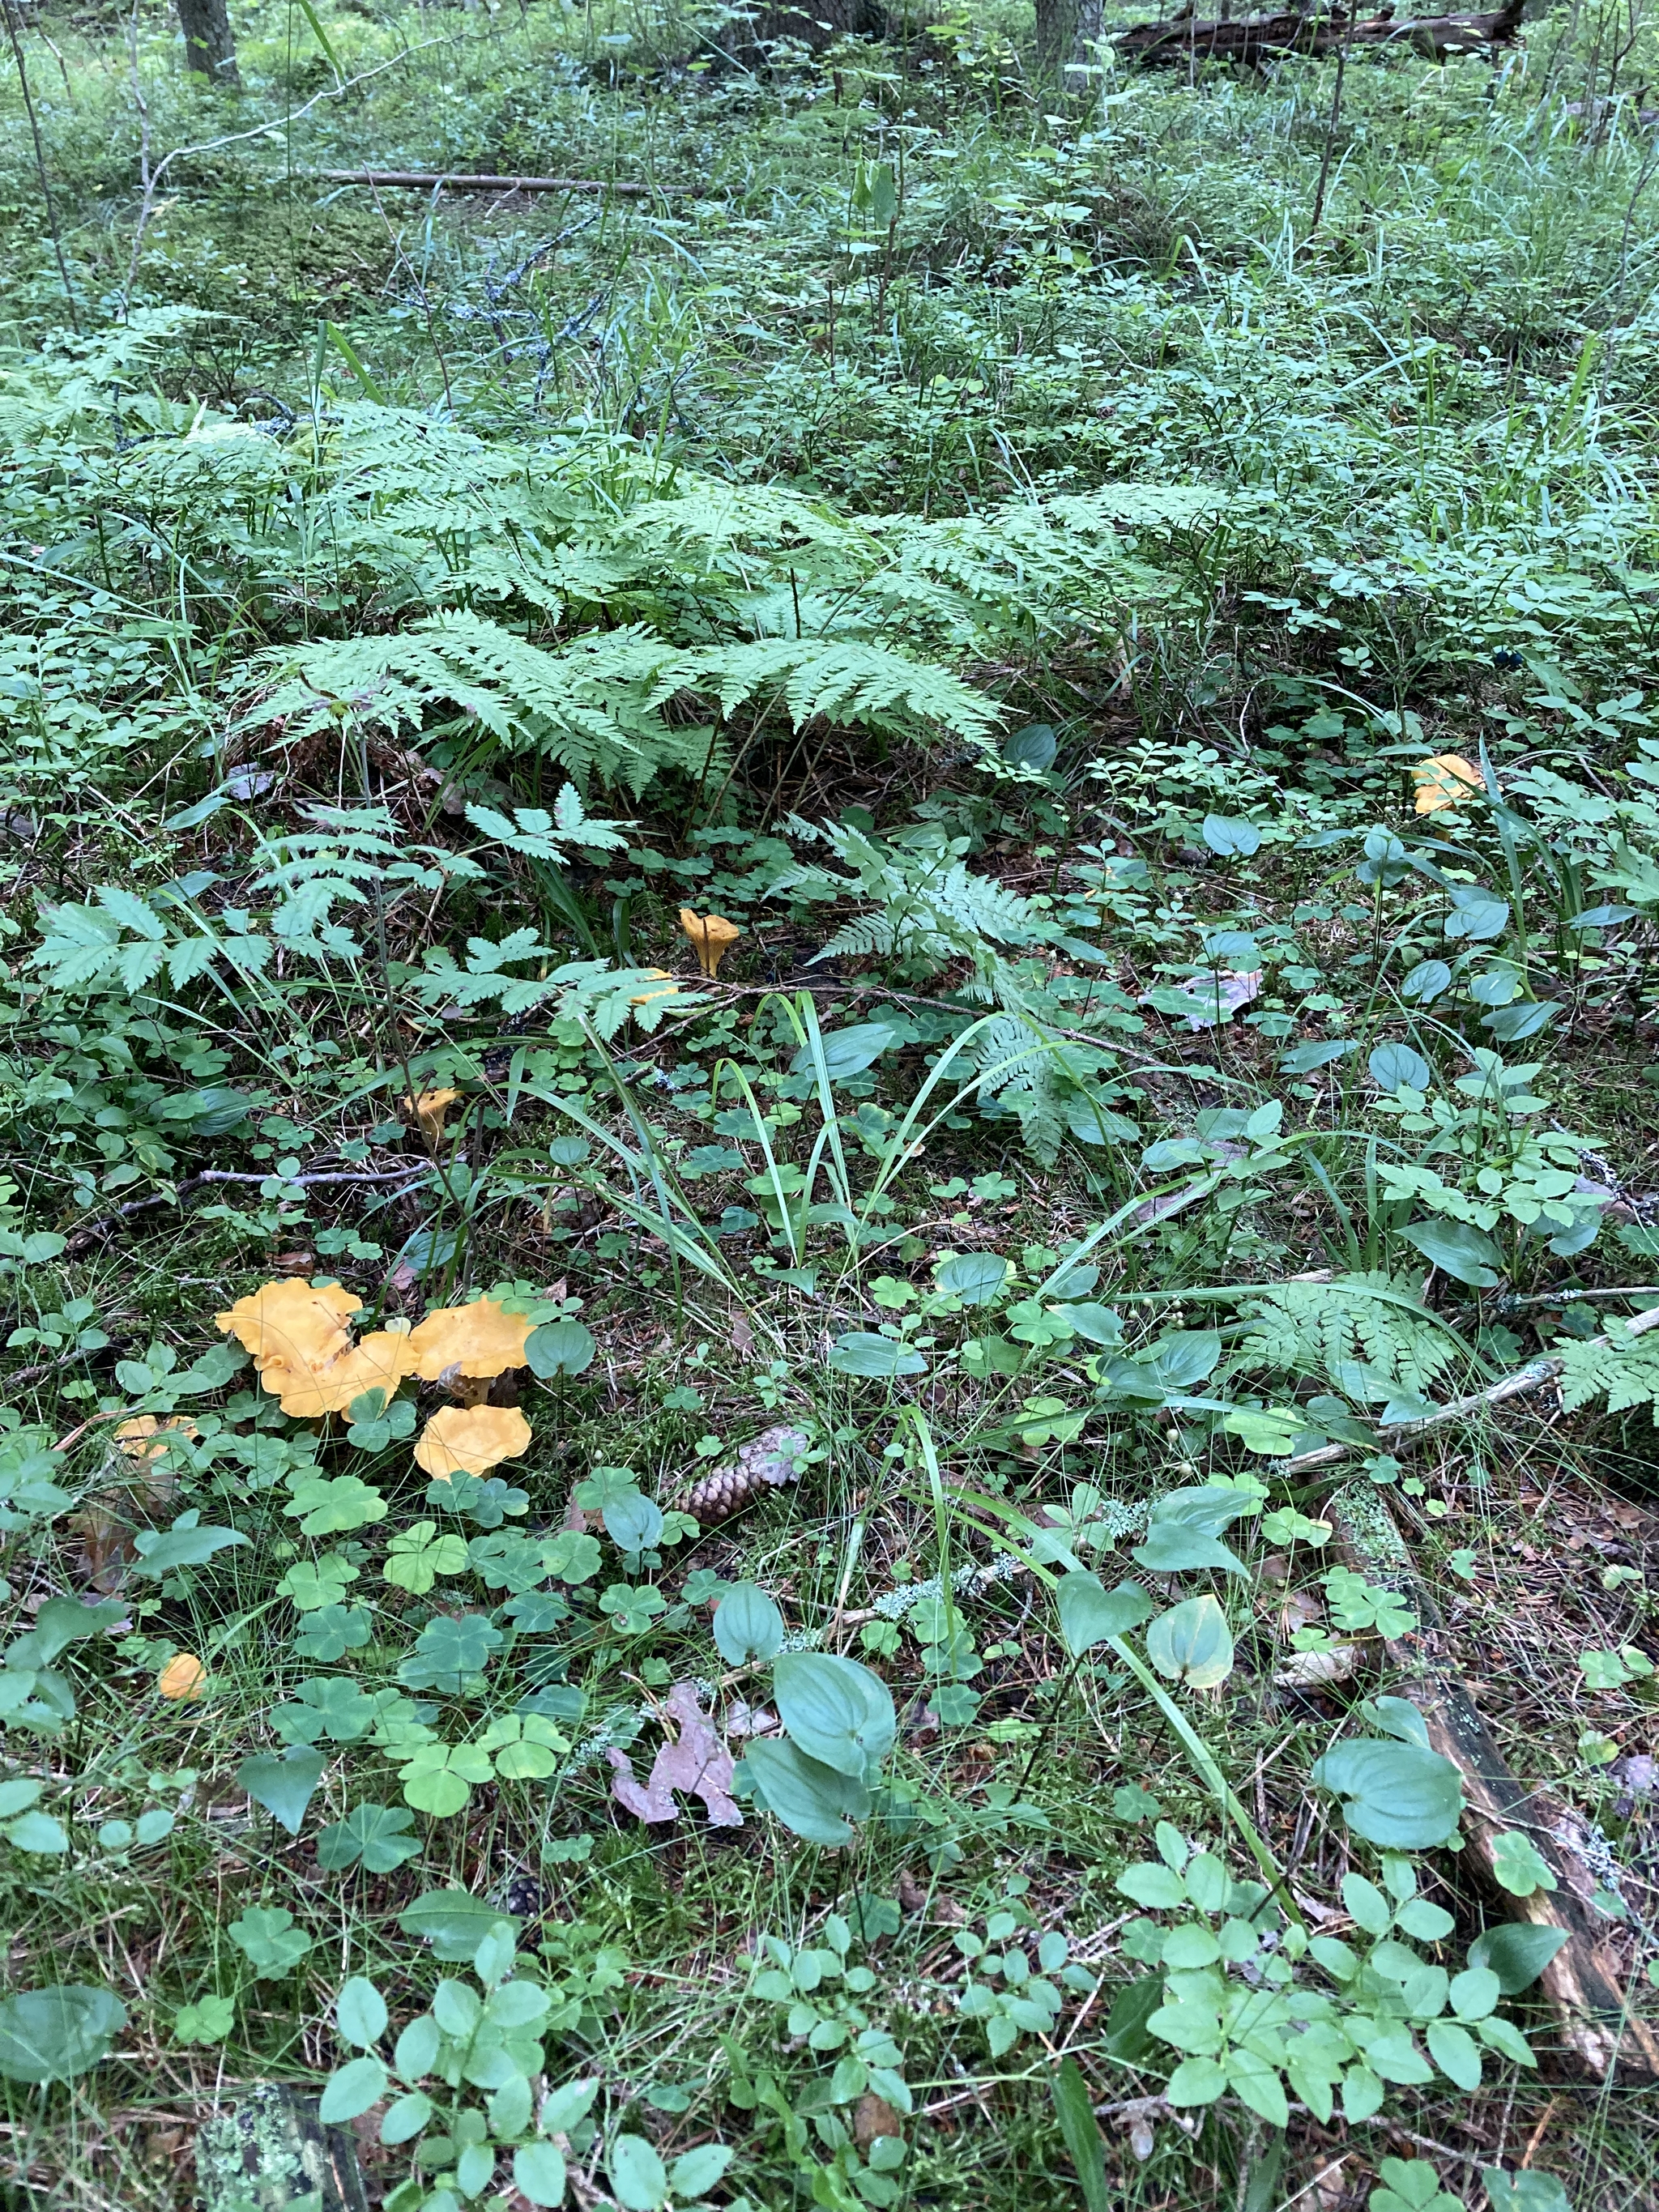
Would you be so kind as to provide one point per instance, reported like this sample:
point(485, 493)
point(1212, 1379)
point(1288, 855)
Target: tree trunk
point(815, 23)
point(210, 49)
point(1067, 31)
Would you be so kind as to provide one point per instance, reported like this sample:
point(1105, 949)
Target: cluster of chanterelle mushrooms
point(308, 1360)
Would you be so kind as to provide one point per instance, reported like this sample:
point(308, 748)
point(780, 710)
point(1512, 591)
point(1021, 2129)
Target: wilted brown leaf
point(695, 1761)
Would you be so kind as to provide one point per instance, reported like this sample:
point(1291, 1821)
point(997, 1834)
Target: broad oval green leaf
point(538, 2173)
point(1192, 1643)
point(1459, 1250)
point(876, 1358)
point(637, 2174)
point(560, 1347)
point(747, 1625)
point(1518, 1951)
point(405, 2117)
point(838, 1711)
point(1392, 1065)
point(813, 1799)
point(350, 2090)
point(975, 1278)
point(695, 2172)
point(1394, 1795)
point(360, 2013)
point(846, 1051)
point(52, 2034)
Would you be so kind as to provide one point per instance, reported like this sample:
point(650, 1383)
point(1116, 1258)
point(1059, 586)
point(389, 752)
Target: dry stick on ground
point(1582, 1982)
point(89, 1230)
point(1401, 1435)
point(416, 180)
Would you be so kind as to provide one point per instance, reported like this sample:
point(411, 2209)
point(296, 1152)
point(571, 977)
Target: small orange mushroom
point(1445, 780)
point(664, 987)
point(145, 1438)
point(471, 1440)
point(480, 1339)
point(712, 937)
point(183, 1678)
point(430, 1107)
point(305, 1353)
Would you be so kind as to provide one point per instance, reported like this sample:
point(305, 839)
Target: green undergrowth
point(811, 979)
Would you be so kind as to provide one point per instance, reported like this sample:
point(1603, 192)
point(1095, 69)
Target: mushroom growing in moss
point(479, 1341)
point(304, 1351)
point(294, 1323)
point(471, 1440)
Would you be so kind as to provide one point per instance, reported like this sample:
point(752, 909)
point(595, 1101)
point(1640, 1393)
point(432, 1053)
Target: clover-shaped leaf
point(378, 1835)
point(330, 1506)
point(416, 1555)
point(450, 1655)
point(269, 1939)
point(376, 1422)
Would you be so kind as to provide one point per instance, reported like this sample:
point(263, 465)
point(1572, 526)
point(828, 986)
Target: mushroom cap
point(293, 1323)
point(430, 1107)
point(1437, 781)
point(711, 934)
point(379, 1363)
point(183, 1678)
point(144, 1438)
point(471, 1439)
point(480, 1339)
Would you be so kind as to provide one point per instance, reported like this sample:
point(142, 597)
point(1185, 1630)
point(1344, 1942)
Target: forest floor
point(816, 962)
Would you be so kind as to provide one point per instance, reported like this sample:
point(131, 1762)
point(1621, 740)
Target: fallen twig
point(1533, 1376)
point(1251, 39)
point(89, 1230)
point(417, 180)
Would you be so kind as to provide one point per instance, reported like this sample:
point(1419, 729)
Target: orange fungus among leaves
point(471, 1440)
point(183, 1678)
point(1445, 780)
point(480, 1339)
point(712, 937)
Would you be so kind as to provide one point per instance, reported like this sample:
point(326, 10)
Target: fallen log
point(272, 2152)
point(1583, 1982)
point(460, 180)
point(1252, 39)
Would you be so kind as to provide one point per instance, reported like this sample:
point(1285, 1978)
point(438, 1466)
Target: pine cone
point(766, 1462)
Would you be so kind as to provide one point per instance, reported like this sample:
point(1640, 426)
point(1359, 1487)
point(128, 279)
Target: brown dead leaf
point(872, 2118)
point(911, 1894)
point(695, 1761)
point(106, 1548)
point(1300, 1610)
point(1310, 1670)
point(742, 1337)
